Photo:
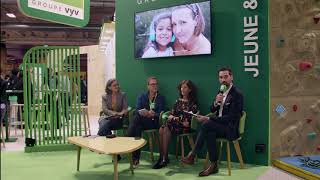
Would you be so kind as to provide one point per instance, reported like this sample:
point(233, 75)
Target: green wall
point(227, 28)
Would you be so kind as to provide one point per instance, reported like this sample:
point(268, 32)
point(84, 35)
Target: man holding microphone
point(228, 107)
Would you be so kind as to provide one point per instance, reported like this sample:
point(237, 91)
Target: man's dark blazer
point(143, 103)
point(231, 114)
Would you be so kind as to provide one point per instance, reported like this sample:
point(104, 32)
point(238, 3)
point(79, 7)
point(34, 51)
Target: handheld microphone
point(223, 89)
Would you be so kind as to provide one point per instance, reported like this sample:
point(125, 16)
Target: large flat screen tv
point(181, 30)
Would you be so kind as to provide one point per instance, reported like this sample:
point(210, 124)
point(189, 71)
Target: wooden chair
point(180, 137)
point(16, 108)
point(235, 144)
point(151, 133)
point(86, 121)
point(152, 136)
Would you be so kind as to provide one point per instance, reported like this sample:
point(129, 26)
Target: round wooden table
point(111, 146)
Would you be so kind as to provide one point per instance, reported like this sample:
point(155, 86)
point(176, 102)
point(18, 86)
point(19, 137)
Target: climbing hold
point(316, 107)
point(312, 135)
point(295, 108)
point(309, 121)
point(317, 67)
point(288, 77)
point(280, 109)
point(305, 65)
point(280, 42)
point(316, 18)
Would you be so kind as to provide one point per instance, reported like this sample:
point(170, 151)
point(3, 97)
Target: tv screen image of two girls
point(180, 30)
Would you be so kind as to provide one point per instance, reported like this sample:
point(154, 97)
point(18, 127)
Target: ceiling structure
point(22, 32)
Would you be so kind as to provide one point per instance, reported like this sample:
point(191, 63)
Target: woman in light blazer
point(114, 108)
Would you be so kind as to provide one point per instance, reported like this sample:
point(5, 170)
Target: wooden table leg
point(78, 158)
point(115, 166)
point(228, 159)
point(131, 163)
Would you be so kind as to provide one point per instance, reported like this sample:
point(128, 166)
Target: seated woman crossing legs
point(114, 107)
point(178, 122)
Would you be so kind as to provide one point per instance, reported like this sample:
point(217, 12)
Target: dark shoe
point(168, 160)
point(212, 169)
point(160, 165)
point(156, 165)
point(135, 163)
point(189, 159)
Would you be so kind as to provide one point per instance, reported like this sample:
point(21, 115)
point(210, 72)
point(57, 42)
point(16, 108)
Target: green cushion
point(13, 98)
point(163, 117)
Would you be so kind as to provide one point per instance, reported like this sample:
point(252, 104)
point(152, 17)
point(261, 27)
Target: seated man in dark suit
point(149, 107)
point(227, 107)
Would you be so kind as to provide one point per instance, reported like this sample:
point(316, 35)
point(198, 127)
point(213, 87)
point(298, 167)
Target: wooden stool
point(151, 133)
point(180, 139)
point(13, 118)
point(86, 121)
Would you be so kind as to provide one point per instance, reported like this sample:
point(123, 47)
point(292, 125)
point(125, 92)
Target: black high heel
point(160, 164)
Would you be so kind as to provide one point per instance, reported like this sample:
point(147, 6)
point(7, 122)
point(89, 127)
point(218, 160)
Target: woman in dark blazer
point(114, 108)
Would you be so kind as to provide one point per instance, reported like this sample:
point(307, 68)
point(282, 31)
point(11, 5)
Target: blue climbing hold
point(280, 109)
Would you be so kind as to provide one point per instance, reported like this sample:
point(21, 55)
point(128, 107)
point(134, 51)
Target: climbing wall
point(295, 77)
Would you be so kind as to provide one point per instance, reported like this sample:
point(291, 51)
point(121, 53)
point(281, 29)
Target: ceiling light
point(22, 25)
point(11, 15)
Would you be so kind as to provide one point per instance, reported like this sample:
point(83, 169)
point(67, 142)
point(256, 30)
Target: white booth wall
point(101, 67)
